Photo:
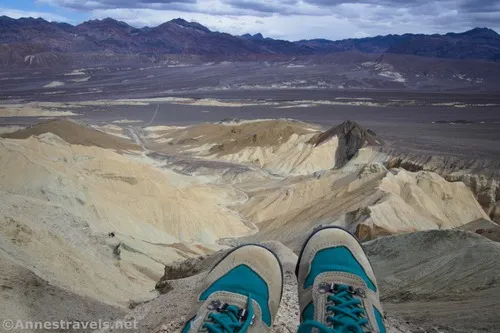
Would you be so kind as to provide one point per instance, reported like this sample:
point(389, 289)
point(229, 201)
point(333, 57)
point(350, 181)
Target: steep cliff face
point(351, 138)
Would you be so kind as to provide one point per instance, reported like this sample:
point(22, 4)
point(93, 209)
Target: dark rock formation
point(352, 137)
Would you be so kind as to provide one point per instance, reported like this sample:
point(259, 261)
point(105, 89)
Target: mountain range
point(28, 37)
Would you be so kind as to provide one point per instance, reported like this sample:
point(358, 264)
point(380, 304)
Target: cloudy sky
point(285, 19)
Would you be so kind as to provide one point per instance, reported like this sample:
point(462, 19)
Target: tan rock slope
point(74, 133)
point(335, 176)
point(59, 202)
point(370, 201)
point(116, 192)
point(482, 176)
point(281, 146)
point(293, 148)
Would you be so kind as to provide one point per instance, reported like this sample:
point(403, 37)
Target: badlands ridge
point(92, 217)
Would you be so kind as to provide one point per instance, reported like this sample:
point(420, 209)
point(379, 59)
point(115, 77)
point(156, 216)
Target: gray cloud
point(290, 7)
point(480, 6)
point(108, 4)
point(361, 17)
point(261, 6)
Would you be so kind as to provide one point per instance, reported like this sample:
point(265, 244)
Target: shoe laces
point(229, 318)
point(345, 313)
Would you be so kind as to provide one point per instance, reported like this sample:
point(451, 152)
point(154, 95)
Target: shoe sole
point(311, 236)
point(258, 245)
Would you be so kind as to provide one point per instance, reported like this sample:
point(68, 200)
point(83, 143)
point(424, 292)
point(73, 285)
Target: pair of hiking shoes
point(336, 286)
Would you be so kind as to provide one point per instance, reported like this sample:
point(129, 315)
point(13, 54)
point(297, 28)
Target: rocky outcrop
point(487, 191)
point(484, 228)
point(185, 268)
point(351, 138)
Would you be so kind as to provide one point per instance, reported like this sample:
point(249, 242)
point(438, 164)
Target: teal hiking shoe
point(240, 294)
point(337, 287)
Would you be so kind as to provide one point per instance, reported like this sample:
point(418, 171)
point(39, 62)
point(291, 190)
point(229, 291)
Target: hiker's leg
point(337, 286)
point(240, 294)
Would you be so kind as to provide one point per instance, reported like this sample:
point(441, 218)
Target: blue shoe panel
point(244, 281)
point(187, 327)
point(336, 259)
point(380, 320)
point(308, 313)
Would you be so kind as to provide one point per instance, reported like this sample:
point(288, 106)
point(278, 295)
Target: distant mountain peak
point(180, 21)
point(5, 19)
point(481, 32)
point(32, 19)
point(22, 21)
point(106, 21)
point(194, 25)
point(111, 20)
point(256, 36)
point(477, 29)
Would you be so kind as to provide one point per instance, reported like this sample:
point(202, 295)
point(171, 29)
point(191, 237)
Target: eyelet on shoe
point(323, 288)
point(242, 314)
point(360, 292)
point(214, 305)
point(222, 307)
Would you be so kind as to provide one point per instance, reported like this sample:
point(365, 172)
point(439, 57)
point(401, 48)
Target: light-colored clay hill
point(482, 176)
point(60, 201)
point(370, 202)
point(118, 193)
point(281, 146)
point(74, 133)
